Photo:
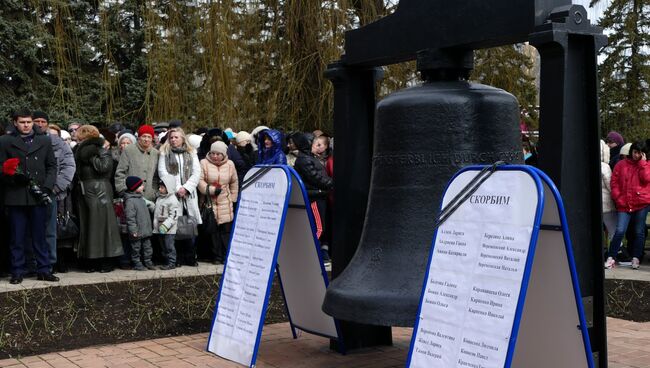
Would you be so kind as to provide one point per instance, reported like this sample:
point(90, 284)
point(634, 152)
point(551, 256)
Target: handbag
point(118, 207)
point(209, 225)
point(66, 226)
point(186, 226)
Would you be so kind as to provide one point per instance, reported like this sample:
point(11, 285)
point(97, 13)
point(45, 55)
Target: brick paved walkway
point(628, 344)
point(629, 347)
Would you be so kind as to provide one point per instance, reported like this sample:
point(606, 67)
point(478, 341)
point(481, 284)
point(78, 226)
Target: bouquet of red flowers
point(11, 167)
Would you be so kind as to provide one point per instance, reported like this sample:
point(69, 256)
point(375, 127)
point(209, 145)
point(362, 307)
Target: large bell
point(423, 135)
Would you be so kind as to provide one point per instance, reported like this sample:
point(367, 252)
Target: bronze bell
point(423, 136)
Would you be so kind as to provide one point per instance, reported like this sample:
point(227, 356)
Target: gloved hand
point(42, 195)
point(163, 229)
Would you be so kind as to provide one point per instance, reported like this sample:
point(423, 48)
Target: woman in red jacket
point(631, 193)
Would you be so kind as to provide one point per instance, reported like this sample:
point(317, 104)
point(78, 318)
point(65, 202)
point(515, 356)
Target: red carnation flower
point(10, 167)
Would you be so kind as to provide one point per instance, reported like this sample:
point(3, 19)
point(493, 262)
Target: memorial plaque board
point(498, 267)
point(258, 234)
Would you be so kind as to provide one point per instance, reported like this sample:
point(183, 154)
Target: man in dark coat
point(27, 211)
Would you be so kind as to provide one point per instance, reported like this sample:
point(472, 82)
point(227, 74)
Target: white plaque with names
point(273, 227)
point(474, 295)
point(475, 273)
point(249, 268)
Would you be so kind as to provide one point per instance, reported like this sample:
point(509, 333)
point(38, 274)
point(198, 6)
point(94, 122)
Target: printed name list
point(475, 275)
point(249, 262)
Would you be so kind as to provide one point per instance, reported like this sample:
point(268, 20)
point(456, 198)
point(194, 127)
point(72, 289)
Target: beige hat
point(243, 136)
point(625, 150)
point(219, 147)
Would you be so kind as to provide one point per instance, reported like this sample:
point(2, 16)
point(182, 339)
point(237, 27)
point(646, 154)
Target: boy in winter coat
point(164, 219)
point(138, 220)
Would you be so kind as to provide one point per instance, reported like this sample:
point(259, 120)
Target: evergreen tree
point(233, 63)
point(72, 46)
point(509, 68)
point(625, 70)
point(26, 71)
point(123, 60)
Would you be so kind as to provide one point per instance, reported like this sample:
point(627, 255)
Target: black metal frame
point(569, 119)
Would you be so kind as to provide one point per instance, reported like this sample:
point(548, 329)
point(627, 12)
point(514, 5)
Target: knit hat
point(128, 136)
point(244, 136)
point(625, 150)
point(219, 147)
point(230, 134)
point(146, 129)
point(65, 135)
point(133, 183)
point(40, 115)
point(616, 138)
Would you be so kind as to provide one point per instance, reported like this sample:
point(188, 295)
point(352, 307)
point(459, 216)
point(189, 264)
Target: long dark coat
point(37, 160)
point(99, 235)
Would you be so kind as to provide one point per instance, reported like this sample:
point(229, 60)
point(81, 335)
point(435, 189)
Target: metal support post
point(354, 110)
point(569, 148)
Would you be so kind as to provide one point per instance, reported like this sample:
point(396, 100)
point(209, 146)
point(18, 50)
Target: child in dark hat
point(138, 220)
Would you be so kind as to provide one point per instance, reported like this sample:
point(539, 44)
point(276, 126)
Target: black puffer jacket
point(311, 171)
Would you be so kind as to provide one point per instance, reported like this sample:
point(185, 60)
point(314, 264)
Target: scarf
point(172, 164)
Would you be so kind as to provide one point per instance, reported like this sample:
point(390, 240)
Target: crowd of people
point(143, 199)
point(625, 175)
point(625, 181)
point(158, 198)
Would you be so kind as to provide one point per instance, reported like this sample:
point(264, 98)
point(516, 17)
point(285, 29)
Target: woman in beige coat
point(219, 183)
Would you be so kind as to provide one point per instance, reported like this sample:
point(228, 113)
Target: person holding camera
point(29, 174)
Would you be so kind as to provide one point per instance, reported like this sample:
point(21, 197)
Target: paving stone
point(629, 347)
point(9, 362)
